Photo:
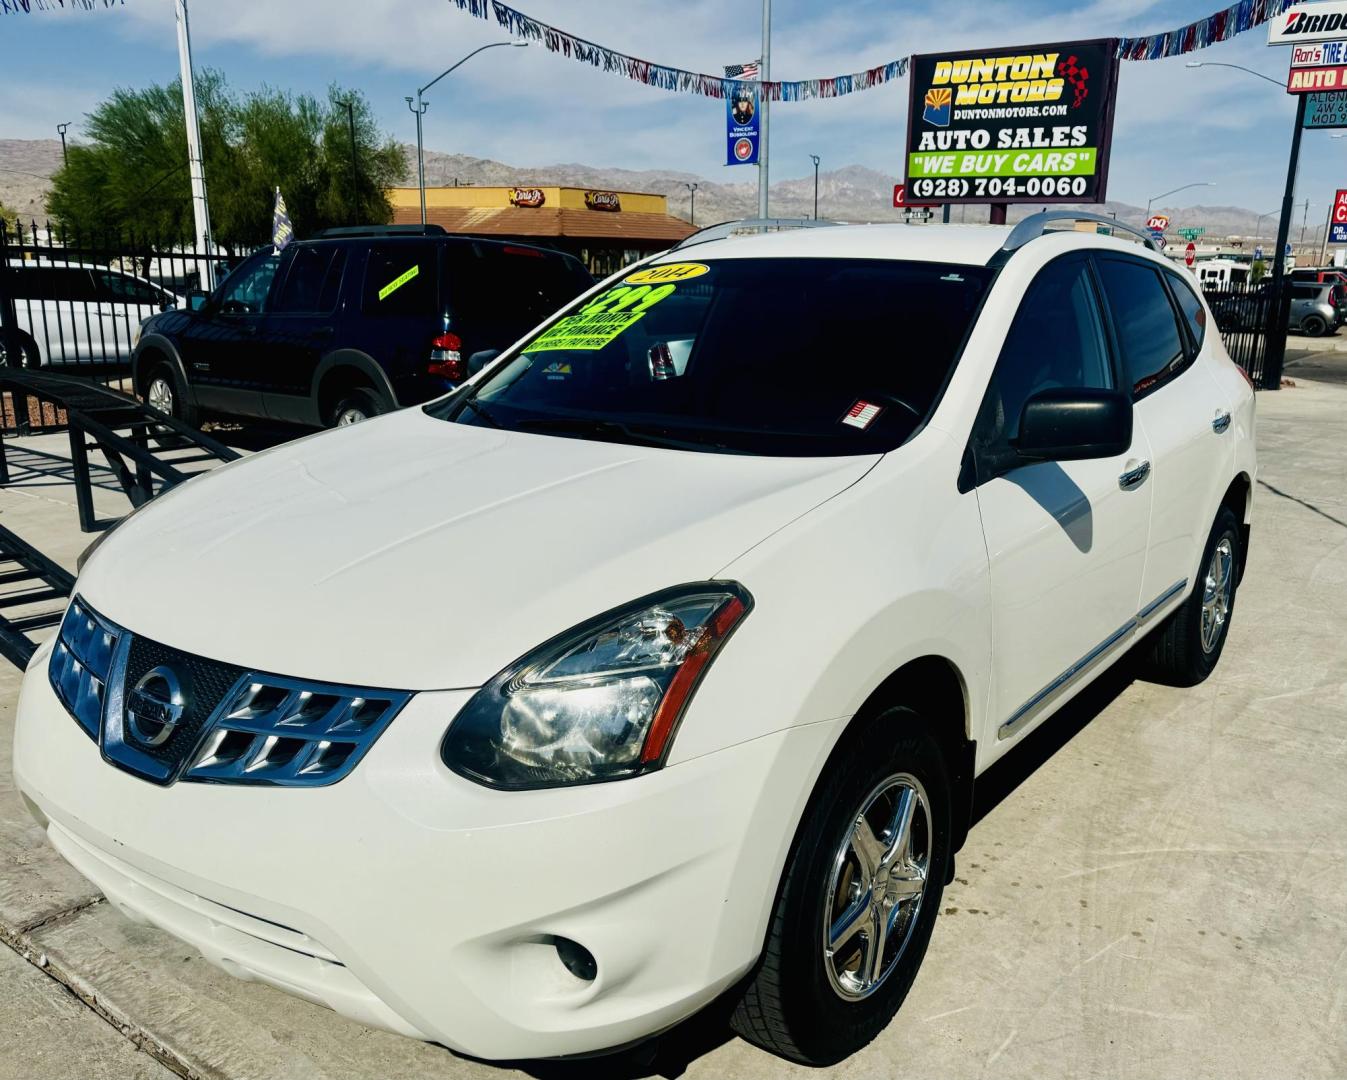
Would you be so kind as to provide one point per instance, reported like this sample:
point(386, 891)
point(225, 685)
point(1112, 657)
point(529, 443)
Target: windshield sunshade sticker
point(658, 275)
point(601, 320)
point(862, 414)
point(399, 281)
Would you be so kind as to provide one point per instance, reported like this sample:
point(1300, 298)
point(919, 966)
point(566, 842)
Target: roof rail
point(1035, 225)
point(379, 230)
point(730, 228)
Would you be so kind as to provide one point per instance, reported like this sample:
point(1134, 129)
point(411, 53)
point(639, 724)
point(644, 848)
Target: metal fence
point(1242, 311)
point(73, 302)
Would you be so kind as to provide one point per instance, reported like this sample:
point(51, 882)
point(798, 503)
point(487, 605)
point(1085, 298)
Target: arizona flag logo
point(938, 102)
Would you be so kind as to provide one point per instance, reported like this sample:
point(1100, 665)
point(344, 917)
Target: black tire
point(29, 357)
point(791, 1007)
point(354, 405)
point(1314, 325)
point(162, 378)
point(1182, 654)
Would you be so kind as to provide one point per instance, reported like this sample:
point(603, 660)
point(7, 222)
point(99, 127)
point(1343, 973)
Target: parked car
point(350, 325)
point(661, 658)
point(79, 313)
point(1316, 309)
point(1332, 275)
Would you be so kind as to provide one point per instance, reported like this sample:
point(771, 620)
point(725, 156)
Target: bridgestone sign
point(1309, 22)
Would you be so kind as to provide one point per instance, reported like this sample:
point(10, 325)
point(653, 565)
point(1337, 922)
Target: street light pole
point(422, 105)
point(355, 174)
point(692, 207)
point(1185, 187)
point(815, 159)
point(1237, 67)
point(61, 130)
point(764, 73)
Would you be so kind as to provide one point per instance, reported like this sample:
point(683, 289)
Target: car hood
point(411, 553)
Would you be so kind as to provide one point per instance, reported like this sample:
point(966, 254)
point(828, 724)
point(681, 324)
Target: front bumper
point(411, 899)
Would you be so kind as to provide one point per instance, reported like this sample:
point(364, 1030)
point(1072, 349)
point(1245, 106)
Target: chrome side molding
point(1038, 704)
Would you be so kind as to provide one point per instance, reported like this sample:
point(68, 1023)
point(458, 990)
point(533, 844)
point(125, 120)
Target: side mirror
point(479, 360)
point(1074, 423)
point(196, 299)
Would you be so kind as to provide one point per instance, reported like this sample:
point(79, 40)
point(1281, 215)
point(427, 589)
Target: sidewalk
point(1161, 896)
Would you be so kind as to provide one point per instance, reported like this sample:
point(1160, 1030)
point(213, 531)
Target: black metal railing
point(1244, 312)
point(73, 301)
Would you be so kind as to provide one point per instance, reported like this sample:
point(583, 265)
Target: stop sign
point(1190, 254)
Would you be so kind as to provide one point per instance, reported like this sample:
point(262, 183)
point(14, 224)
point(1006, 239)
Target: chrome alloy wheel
point(350, 415)
point(876, 888)
point(1216, 593)
point(160, 395)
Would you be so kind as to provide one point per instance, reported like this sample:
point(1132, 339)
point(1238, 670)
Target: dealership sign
point(1028, 124)
point(1309, 22)
point(1326, 110)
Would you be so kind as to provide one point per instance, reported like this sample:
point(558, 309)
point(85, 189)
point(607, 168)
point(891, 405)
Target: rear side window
point(1056, 340)
point(1194, 314)
point(124, 289)
point(1143, 317)
point(401, 280)
point(54, 283)
point(313, 281)
point(505, 291)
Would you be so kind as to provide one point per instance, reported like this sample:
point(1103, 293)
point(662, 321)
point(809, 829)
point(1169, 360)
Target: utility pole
point(765, 74)
point(815, 159)
point(1279, 309)
point(200, 210)
point(1304, 220)
point(355, 168)
point(61, 130)
point(692, 207)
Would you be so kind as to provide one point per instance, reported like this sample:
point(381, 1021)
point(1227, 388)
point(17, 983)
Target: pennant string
point(1219, 26)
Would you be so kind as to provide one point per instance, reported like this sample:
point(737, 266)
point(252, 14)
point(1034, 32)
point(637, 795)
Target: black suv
point(349, 325)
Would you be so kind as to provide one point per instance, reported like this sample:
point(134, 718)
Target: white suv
point(659, 660)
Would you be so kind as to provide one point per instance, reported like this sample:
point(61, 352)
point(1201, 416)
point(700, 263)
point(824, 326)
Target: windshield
point(796, 357)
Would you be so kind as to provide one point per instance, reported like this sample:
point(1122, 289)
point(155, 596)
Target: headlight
point(600, 702)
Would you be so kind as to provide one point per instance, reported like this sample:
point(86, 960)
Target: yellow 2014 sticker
point(399, 281)
point(658, 275)
point(602, 319)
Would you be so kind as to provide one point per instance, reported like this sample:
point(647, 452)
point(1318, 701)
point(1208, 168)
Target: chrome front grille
point(273, 730)
point(230, 726)
point(80, 662)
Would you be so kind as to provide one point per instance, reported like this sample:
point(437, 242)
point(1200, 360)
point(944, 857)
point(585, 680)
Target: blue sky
point(526, 106)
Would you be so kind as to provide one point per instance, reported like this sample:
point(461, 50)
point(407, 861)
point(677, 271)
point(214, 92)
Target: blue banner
point(741, 125)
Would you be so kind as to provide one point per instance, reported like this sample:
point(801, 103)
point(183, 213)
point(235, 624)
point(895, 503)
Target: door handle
point(1221, 422)
point(1134, 478)
point(322, 333)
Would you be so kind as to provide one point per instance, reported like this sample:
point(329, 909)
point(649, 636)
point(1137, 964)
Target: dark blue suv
point(349, 325)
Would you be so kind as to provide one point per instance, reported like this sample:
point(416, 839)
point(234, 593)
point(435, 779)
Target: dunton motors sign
point(1029, 124)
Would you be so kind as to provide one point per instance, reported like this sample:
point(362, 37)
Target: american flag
point(742, 71)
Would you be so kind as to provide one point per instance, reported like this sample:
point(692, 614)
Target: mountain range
point(851, 193)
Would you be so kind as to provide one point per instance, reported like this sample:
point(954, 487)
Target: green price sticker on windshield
point(399, 281)
point(600, 321)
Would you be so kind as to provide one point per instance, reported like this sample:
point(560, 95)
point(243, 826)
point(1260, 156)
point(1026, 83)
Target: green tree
point(1257, 271)
point(130, 173)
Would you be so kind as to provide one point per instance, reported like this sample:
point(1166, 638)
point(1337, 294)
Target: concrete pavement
point(1155, 887)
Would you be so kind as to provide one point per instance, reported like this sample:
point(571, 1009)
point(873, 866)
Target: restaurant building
point(605, 230)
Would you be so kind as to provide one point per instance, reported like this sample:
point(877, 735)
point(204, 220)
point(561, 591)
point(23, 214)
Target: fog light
point(578, 960)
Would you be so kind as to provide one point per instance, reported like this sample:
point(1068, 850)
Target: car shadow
point(669, 1055)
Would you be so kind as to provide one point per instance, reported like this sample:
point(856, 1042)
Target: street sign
point(1326, 110)
point(900, 199)
point(1158, 222)
point(1337, 230)
point(1318, 21)
point(1192, 232)
point(1190, 254)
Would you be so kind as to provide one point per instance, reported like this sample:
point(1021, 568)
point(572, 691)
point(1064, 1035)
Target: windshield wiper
point(613, 431)
point(482, 411)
